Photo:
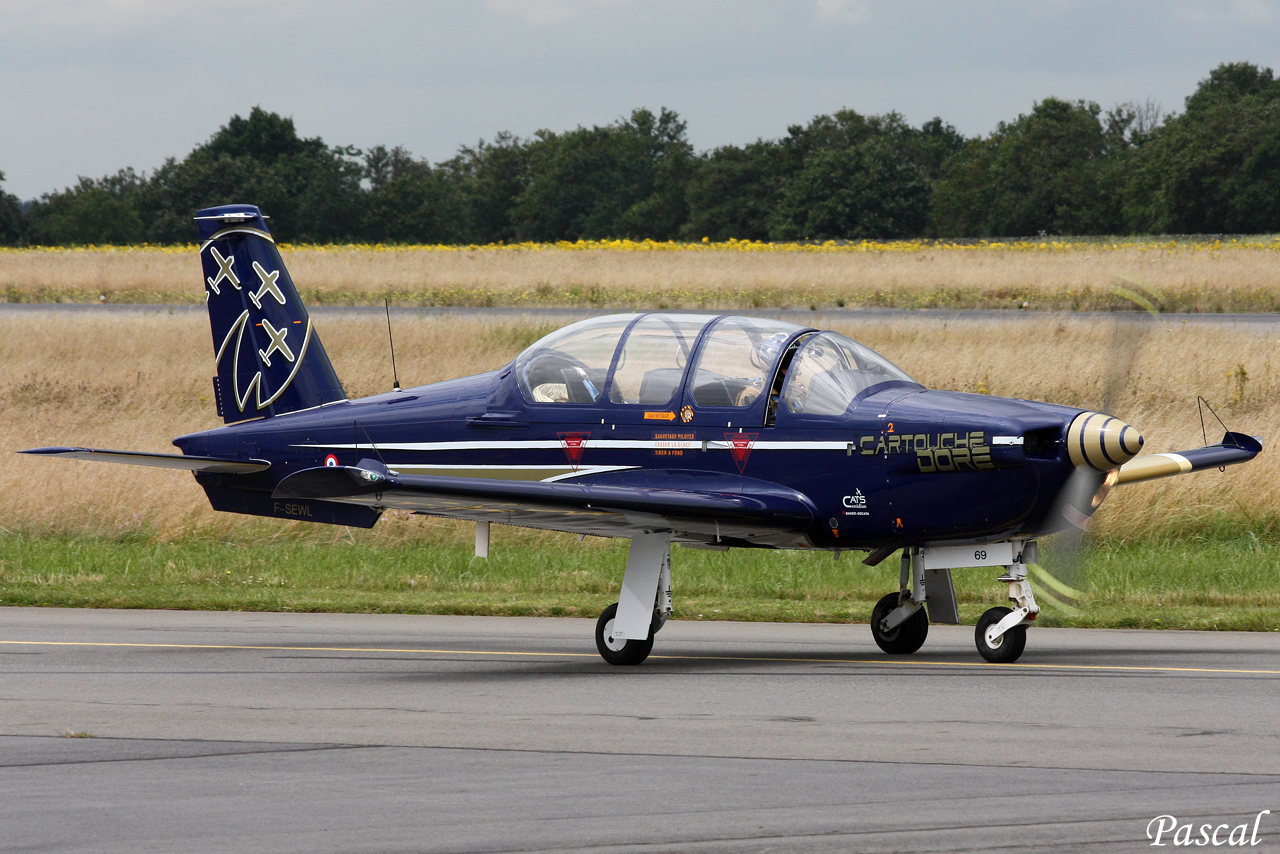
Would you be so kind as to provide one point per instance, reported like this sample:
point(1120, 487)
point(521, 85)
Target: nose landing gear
point(1001, 634)
point(900, 624)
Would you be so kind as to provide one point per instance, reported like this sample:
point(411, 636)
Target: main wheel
point(1002, 650)
point(622, 651)
point(905, 638)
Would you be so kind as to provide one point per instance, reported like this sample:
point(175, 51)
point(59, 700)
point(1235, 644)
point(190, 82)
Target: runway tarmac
point(201, 731)
point(1262, 322)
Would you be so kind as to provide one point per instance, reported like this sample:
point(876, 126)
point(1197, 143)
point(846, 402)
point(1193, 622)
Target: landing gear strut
point(625, 630)
point(899, 622)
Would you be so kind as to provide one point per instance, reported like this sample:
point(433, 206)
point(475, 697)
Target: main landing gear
point(620, 650)
point(904, 637)
point(900, 623)
point(625, 630)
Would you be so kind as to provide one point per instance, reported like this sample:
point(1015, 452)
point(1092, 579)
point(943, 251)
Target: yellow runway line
point(787, 660)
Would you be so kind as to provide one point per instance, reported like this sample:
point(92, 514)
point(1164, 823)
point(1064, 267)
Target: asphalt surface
point(1263, 322)
point(303, 732)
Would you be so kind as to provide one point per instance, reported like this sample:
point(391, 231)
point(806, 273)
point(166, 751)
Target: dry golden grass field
point(1071, 276)
point(136, 380)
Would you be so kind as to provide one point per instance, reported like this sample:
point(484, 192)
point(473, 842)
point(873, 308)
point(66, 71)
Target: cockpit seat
point(659, 385)
point(579, 385)
point(719, 391)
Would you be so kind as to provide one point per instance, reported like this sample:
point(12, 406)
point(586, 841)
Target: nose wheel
point(999, 648)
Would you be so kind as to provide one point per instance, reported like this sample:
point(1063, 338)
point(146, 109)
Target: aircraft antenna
point(395, 380)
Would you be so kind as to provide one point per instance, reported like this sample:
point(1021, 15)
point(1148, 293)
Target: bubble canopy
point(644, 360)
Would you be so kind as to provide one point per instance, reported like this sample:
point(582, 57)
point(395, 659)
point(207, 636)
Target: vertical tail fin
point(269, 359)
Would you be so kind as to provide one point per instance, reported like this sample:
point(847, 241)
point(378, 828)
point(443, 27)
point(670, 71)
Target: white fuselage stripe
point(546, 474)
point(594, 444)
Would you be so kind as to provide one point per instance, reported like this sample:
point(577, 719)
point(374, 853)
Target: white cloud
point(843, 11)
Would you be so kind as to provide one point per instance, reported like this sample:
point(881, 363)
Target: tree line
point(1063, 168)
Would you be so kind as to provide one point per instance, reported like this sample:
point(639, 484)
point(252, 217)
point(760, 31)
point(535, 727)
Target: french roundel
point(331, 461)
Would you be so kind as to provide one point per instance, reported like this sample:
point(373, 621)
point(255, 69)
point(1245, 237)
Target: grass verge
point(1061, 275)
point(1215, 583)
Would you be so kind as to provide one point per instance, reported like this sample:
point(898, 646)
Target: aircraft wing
point(166, 461)
point(703, 505)
point(1234, 448)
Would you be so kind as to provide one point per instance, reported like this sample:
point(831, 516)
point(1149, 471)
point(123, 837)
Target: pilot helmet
point(768, 349)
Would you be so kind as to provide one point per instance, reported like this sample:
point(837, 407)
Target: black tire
point(907, 637)
point(630, 652)
point(1008, 648)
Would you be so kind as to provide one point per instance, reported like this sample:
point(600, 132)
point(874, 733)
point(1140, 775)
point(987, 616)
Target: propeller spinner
point(1101, 441)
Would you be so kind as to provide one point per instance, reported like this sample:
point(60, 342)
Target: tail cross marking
point(269, 286)
point(226, 270)
point(277, 344)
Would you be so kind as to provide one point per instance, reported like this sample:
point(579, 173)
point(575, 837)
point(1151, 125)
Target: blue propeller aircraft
point(711, 432)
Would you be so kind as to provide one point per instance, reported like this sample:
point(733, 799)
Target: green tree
point(263, 136)
point(932, 146)
point(842, 129)
point(1229, 83)
point(311, 191)
point(178, 189)
point(410, 202)
point(848, 176)
point(100, 211)
point(867, 191)
point(12, 220)
point(623, 180)
point(491, 177)
point(1216, 167)
point(1045, 173)
point(732, 192)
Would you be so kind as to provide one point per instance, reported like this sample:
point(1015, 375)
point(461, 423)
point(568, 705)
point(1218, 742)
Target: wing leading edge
point(703, 506)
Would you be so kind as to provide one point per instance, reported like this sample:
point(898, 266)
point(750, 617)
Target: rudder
point(269, 359)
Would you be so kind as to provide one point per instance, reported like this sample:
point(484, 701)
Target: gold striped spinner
point(1101, 441)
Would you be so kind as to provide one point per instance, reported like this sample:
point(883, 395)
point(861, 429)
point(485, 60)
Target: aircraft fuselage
point(905, 461)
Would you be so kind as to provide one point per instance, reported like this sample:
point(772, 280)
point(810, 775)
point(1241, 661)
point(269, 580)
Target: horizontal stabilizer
point(164, 461)
point(615, 504)
point(1234, 448)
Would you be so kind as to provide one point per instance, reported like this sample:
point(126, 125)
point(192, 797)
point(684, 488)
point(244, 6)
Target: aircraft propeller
point(1098, 445)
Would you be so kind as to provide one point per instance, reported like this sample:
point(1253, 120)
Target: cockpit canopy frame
point(658, 360)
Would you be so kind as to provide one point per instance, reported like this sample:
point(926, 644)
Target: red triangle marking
point(740, 445)
point(574, 444)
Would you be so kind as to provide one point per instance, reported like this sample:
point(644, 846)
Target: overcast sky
point(91, 86)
